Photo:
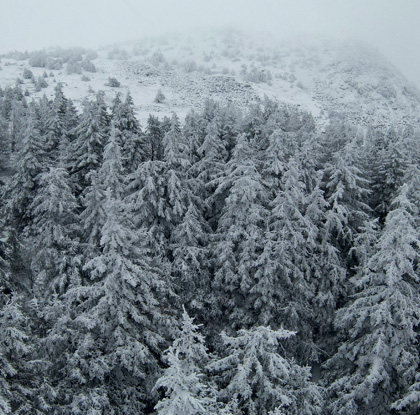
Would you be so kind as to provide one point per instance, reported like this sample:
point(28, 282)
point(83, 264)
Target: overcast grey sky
point(392, 26)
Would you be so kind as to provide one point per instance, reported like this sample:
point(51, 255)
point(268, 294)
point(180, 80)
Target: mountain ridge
point(319, 74)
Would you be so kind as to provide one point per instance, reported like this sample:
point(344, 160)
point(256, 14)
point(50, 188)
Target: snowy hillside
point(249, 259)
point(317, 74)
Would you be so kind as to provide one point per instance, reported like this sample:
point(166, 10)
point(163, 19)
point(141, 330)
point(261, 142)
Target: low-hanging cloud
point(389, 25)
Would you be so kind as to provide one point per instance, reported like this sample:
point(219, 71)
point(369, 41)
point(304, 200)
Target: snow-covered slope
point(318, 74)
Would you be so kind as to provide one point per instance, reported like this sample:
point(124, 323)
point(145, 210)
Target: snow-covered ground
point(319, 75)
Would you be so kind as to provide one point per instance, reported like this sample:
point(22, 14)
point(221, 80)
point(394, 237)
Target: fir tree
point(375, 365)
point(147, 194)
point(118, 321)
point(347, 195)
point(14, 351)
point(124, 119)
point(118, 312)
point(387, 167)
point(22, 187)
point(14, 131)
point(18, 377)
point(239, 236)
point(176, 159)
point(109, 176)
point(208, 169)
point(285, 292)
point(152, 146)
point(54, 259)
point(111, 170)
point(190, 267)
point(91, 137)
point(184, 383)
point(255, 374)
point(48, 130)
point(92, 216)
point(194, 133)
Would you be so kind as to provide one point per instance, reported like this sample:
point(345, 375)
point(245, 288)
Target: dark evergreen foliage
point(264, 225)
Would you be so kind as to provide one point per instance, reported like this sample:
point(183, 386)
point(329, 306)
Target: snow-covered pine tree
point(375, 364)
point(13, 122)
point(190, 266)
point(60, 102)
point(207, 166)
point(148, 196)
point(124, 119)
point(228, 119)
point(55, 265)
point(410, 145)
point(47, 128)
point(283, 290)
point(15, 391)
point(19, 381)
point(212, 157)
point(410, 402)
point(92, 216)
point(63, 124)
point(90, 140)
point(328, 271)
point(53, 233)
point(109, 176)
point(186, 388)
point(71, 121)
point(5, 147)
point(22, 187)
point(253, 372)
point(159, 196)
point(386, 168)
point(346, 191)
point(111, 173)
point(239, 234)
point(160, 97)
point(119, 321)
point(298, 273)
point(174, 145)
point(176, 161)
point(152, 146)
point(194, 132)
point(7, 371)
point(253, 122)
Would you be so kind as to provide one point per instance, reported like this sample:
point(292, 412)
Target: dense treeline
point(230, 264)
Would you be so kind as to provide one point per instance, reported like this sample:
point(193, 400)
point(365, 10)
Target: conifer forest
point(235, 262)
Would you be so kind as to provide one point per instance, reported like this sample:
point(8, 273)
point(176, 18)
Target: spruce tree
point(124, 119)
point(147, 193)
point(19, 377)
point(91, 138)
point(119, 311)
point(22, 187)
point(53, 233)
point(190, 267)
point(186, 391)
point(109, 176)
point(152, 145)
point(239, 235)
point(15, 390)
point(375, 363)
point(92, 216)
point(387, 169)
point(253, 372)
point(347, 194)
point(176, 159)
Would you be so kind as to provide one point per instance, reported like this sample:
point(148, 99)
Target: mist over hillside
point(317, 73)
